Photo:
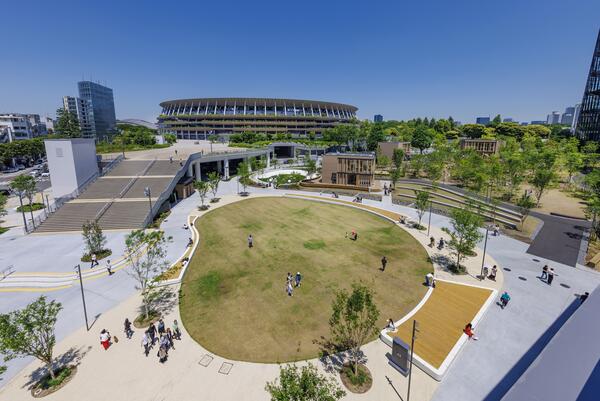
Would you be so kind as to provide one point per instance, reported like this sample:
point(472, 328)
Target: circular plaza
point(233, 298)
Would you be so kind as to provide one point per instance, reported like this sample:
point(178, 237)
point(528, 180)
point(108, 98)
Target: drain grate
point(507, 269)
point(206, 360)
point(522, 278)
point(226, 368)
point(565, 285)
point(536, 260)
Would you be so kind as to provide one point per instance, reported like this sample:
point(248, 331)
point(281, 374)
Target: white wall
point(71, 163)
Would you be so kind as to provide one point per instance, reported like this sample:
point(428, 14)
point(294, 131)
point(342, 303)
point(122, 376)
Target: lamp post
point(148, 193)
point(487, 230)
point(78, 271)
point(429, 223)
point(412, 350)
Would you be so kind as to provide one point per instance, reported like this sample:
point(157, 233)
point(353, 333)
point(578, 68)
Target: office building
point(482, 146)
point(16, 126)
point(567, 116)
point(199, 118)
point(482, 120)
point(84, 112)
point(588, 123)
point(348, 169)
point(100, 99)
point(378, 118)
point(575, 117)
point(553, 118)
point(387, 148)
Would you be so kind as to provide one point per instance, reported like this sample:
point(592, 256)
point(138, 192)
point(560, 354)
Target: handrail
point(147, 168)
point(103, 210)
point(127, 187)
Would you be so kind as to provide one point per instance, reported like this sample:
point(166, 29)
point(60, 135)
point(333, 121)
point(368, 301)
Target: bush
point(27, 208)
point(63, 373)
point(100, 255)
point(141, 321)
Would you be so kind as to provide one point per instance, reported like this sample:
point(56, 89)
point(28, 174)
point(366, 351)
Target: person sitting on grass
point(391, 326)
point(470, 332)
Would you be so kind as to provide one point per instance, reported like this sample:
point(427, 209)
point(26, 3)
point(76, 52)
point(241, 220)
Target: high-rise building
point(84, 112)
point(482, 120)
point(101, 101)
point(553, 118)
point(588, 123)
point(575, 116)
point(16, 126)
point(378, 118)
point(567, 116)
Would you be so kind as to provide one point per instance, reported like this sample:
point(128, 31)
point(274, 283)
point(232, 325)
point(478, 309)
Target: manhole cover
point(206, 360)
point(507, 269)
point(522, 278)
point(225, 368)
point(565, 285)
point(536, 260)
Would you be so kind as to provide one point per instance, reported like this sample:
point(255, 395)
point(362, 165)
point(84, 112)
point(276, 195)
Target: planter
point(99, 256)
point(203, 207)
point(359, 383)
point(244, 193)
point(46, 386)
point(141, 322)
point(215, 200)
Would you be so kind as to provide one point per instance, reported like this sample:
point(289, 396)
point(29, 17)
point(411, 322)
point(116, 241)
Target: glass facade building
point(100, 99)
point(588, 123)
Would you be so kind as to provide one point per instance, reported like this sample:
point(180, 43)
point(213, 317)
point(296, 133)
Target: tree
point(374, 135)
point(3, 200)
point(67, 124)
point(383, 161)
point(311, 166)
point(398, 157)
point(243, 172)
point(30, 332)
point(354, 320)
point(422, 138)
point(24, 186)
point(541, 181)
point(473, 131)
point(464, 234)
point(573, 159)
point(146, 253)
point(525, 204)
point(497, 120)
point(214, 179)
point(202, 187)
point(421, 204)
point(303, 384)
point(93, 237)
point(395, 176)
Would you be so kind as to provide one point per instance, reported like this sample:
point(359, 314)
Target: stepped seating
point(157, 186)
point(129, 168)
point(105, 188)
point(125, 215)
point(71, 216)
point(164, 167)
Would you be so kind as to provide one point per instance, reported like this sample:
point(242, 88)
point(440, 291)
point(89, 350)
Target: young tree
point(146, 254)
point(243, 172)
point(525, 204)
point(303, 384)
point(3, 200)
point(383, 161)
point(67, 124)
point(354, 320)
point(24, 186)
point(422, 138)
point(311, 166)
point(202, 188)
point(541, 181)
point(421, 204)
point(395, 175)
point(93, 237)
point(30, 332)
point(464, 234)
point(214, 179)
point(398, 157)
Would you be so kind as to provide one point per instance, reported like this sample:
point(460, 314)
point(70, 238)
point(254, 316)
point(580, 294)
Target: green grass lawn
point(233, 300)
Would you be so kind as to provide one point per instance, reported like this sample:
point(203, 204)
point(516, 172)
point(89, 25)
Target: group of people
point(441, 243)
point(292, 282)
point(547, 274)
point(165, 337)
point(94, 259)
point(489, 273)
point(357, 199)
point(387, 190)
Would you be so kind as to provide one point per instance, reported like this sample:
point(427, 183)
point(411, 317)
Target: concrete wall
point(71, 162)
point(387, 148)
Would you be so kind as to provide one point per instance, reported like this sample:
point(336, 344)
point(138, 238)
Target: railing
point(106, 169)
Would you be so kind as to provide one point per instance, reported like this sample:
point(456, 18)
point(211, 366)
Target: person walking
point(176, 332)
point(493, 273)
point(441, 244)
point(431, 242)
point(127, 326)
point(94, 261)
point(470, 332)
point(544, 275)
point(429, 279)
point(289, 289)
point(146, 343)
point(504, 299)
point(169, 336)
point(550, 276)
point(383, 263)
point(161, 327)
point(298, 279)
point(152, 333)
point(250, 241)
point(105, 339)
point(109, 268)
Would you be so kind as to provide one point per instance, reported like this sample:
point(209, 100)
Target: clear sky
point(402, 59)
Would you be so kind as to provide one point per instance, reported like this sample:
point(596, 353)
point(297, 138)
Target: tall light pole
point(429, 223)
point(415, 329)
point(487, 230)
point(78, 270)
point(148, 193)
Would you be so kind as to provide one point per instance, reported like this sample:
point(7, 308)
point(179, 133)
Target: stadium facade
point(202, 117)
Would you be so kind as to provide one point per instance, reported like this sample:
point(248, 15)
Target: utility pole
point(412, 351)
point(78, 269)
point(429, 223)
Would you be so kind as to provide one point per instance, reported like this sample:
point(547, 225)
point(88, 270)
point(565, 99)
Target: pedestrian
point(391, 326)
point(544, 272)
point(94, 261)
point(146, 343)
point(152, 332)
point(169, 336)
point(128, 331)
point(504, 299)
point(250, 241)
point(429, 279)
point(109, 268)
point(105, 339)
point(496, 230)
point(176, 331)
point(550, 276)
point(383, 263)
point(470, 332)
point(484, 272)
point(190, 242)
point(171, 159)
point(431, 242)
point(493, 273)
point(164, 342)
point(584, 296)
point(288, 279)
point(162, 353)
point(289, 289)
point(441, 244)
point(298, 279)
point(161, 327)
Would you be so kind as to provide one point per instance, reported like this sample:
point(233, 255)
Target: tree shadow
point(72, 357)
point(333, 356)
point(162, 301)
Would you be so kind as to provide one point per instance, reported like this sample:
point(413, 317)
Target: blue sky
point(401, 59)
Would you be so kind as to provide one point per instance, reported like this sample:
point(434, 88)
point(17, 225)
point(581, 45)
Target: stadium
point(199, 118)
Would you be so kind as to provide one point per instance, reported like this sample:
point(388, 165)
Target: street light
point(78, 271)
point(148, 193)
point(412, 350)
point(487, 230)
point(429, 223)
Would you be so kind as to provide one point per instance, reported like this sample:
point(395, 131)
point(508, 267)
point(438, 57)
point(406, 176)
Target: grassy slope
point(233, 300)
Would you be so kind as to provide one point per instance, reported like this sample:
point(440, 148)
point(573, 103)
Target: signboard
point(400, 355)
